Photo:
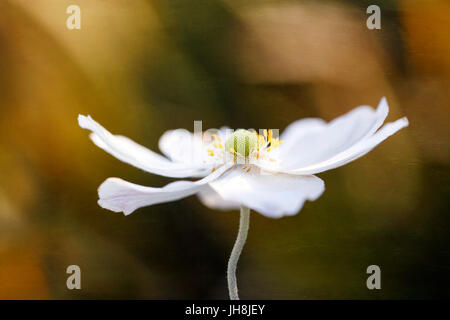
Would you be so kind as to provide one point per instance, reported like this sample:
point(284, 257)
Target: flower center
point(242, 142)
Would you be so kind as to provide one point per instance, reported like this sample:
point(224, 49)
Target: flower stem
point(236, 252)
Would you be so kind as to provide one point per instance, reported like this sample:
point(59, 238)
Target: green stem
point(236, 252)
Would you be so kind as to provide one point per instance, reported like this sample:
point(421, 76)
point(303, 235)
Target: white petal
point(298, 130)
point(224, 133)
point(210, 198)
point(181, 145)
point(355, 152)
point(310, 141)
point(121, 196)
point(132, 153)
point(273, 195)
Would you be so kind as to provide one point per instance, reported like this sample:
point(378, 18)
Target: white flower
point(274, 177)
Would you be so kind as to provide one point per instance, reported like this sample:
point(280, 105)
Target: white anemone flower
point(243, 169)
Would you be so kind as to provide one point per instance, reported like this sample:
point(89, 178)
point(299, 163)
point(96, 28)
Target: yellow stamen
point(216, 137)
point(213, 169)
point(274, 143)
point(262, 141)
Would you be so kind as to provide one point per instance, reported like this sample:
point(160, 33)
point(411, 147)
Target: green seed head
point(242, 142)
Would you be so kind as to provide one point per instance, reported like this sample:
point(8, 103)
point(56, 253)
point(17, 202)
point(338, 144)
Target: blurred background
point(146, 66)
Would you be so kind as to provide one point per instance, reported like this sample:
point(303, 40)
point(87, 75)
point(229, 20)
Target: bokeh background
point(142, 67)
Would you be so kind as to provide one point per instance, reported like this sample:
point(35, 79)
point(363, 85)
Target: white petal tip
point(83, 121)
point(404, 121)
point(383, 107)
point(113, 197)
point(106, 205)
